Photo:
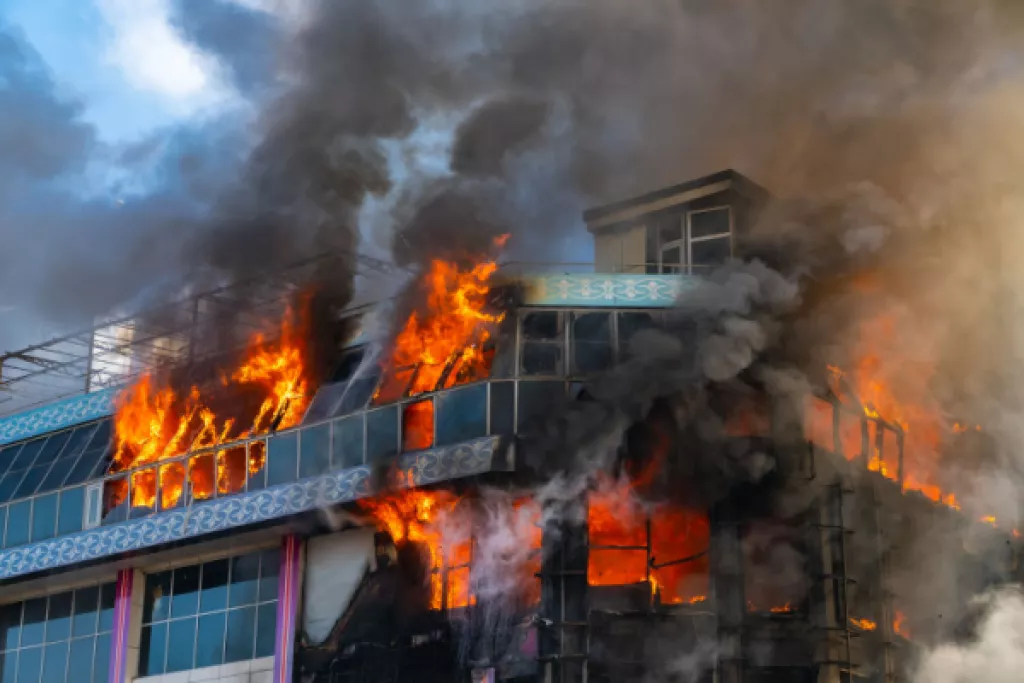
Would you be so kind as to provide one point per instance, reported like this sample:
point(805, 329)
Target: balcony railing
point(495, 407)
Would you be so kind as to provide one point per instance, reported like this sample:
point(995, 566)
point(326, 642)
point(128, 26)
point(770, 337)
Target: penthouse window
point(62, 638)
point(209, 614)
point(695, 242)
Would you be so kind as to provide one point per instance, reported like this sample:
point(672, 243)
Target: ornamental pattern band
point(427, 467)
point(59, 415)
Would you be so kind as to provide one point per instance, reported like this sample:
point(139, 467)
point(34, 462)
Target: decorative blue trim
point(50, 418)
point(607, 291)
point(428, 467)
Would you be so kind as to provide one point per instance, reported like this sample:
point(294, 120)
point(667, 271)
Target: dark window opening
point(629, 325)
point(710, 222)
point(591, 342)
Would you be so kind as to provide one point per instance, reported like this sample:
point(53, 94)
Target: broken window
point(591, 342)
point(542, 344)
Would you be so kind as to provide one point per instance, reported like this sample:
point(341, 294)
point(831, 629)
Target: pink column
point(288, 583)
point(119, 639)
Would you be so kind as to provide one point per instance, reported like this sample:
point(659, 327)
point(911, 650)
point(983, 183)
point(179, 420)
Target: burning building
point(554, 476)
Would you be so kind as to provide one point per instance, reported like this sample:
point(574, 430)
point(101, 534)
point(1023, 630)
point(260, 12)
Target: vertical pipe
point(287, 608)
point(119, 639)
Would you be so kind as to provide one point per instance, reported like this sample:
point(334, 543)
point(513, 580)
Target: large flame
point(154, 423)
point(446, 340)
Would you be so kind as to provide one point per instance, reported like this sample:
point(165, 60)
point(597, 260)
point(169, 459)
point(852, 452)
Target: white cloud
point(154, 57)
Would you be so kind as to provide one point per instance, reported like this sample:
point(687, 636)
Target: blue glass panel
point(33, 478)
point(270, 566)
point(210, 640)
point(214, 594)
point(80, 659)
point(181, 644)
point(245, 575)
point(153, 650)
point(72, 506)
point(30, 665)
point(257, 457)
point(347, 445)
point(186, 591)
point(381, 433)
point(87, 602)
point(28, 454)
point(53, 447)
point(101, 437)
point(503, 408)
point(55, 662)
point(315, 451)
point(266, 623)
point(58, 619)
point(9, 667)
point(77, 442)
point(83, 469)
point(461, 414)
point(357, 394)
point(44, 517)
point(56, 476)
point(18, 517)
point(33, 628)
point(282, 467)
point(8, 455)
point(3, 523)
point(240, 641)
point(156, 603)
point(10, 626)
point(9, 484)
point(107, 597)
point(327, 397)
point(101, 665)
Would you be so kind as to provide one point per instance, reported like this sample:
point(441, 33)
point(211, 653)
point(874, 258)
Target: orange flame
point(899, 626)
point(154, 423)
point(447, 340)
point(864, 624)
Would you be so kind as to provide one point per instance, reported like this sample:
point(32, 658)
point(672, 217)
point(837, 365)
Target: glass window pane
point(28, 454)
point(210, 640)
point(541, 358)
point(461, 414)
point(542, 325)
point(536, 401)
point(107, 598)
point(712, 222)
point(270, 565)
point(202, 476)
point(80, 659)
point(54, 445)
point(157, 600)
point(30, 665)
point(381, 433)
point(670, 228)
point(115, 500)
point(185, 600)
point(245, 575)
point(18, 516)
point(266, 622)
point(348, 365)
point(101, 665)
point(282, 467)
point(77, 442)
point(58, 620)
point(101, 437)
point(215, 586)
point(671, 259)
point(358, 393)
point(630, 324)
point(3, 523)
point(181, 644)
point(503, 418)
point(713, 252)
point(324, 402)
point(241, 635)
point(315, 454)
point(9, 667)
point(55, 662)
point(87, 602)
point(34, 626)
point(591, 342)
point(9, 484)
point(153, 649)
point(72, 504)
point(8, 455)
point(417, 425)
point(10, 626)
point(82, 471)
point(44, 517)
point(347, 445)
point(33, 478)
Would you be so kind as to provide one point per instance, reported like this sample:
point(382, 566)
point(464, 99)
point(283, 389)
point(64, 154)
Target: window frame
point(687, 240)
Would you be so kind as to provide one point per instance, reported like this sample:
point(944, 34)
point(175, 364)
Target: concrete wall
point(254, 671)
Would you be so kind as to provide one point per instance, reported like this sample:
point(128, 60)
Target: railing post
point(288, 590)
point(124, 641)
